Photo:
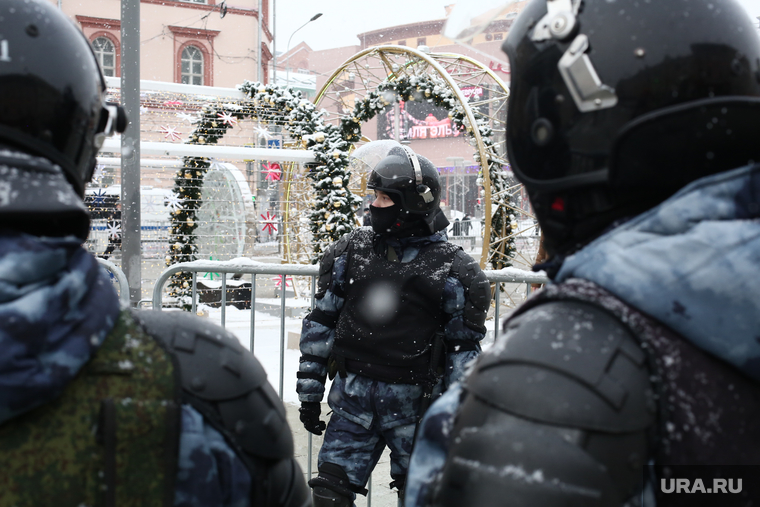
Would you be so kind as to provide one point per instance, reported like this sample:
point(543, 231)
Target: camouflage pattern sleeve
point(317, 335)
point(208, 470)
point(431, 448)
point(462, 342)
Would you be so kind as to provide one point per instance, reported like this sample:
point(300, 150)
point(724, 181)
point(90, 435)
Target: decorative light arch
point(333, 210)
point(439, 78)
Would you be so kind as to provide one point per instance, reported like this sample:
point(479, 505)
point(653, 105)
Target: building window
point(192, 66)
point(421, 41)
point(498, 36)
point(402, 42)
point(106, 54)
point(193, 61)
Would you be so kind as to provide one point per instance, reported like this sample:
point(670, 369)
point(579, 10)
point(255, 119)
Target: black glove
point(310, 411)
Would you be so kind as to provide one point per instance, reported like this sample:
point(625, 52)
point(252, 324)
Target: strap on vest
point(108, 434)
point(437, 366)
point(312, 358)
point(310, 375)
point(171, 448)
point(323, 318)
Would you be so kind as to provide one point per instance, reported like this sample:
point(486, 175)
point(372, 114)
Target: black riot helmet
point(615, 105)
point(51, 90)
point(412, 182)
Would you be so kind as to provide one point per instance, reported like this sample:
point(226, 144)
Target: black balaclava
point(384, 222)
point(384, 218)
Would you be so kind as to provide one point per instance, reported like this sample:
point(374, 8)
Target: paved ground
point(381, 495)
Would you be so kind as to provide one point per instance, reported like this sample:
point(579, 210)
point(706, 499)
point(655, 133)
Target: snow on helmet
point(614, 106)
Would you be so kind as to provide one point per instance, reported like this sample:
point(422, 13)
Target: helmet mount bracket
point(575, 67)
point(113, 120)
point(559, 21)
point(581, 79)
point(422, 189)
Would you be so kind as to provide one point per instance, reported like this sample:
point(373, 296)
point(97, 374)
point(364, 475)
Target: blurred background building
point(181, 41)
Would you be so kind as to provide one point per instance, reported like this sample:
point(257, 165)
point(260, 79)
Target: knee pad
point(334, 478)
point(323, 497)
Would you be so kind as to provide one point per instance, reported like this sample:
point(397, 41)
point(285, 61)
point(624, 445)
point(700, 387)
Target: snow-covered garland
point(434, 89)
point(333, 214)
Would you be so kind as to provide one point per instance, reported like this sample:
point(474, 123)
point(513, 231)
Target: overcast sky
point(343, 19)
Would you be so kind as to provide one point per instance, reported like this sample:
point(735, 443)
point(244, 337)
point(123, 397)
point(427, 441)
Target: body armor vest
point(707, 410)
point(111, 438)
point(392, 311)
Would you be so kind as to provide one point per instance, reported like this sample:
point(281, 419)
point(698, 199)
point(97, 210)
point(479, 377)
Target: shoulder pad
point(571, 364)
point(477, 290)
point(224, 382)
point(326, 263)
point(494, 455)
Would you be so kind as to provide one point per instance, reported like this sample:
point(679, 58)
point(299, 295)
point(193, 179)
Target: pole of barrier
point(120, 277)
point(253, 309)
point(283, 295)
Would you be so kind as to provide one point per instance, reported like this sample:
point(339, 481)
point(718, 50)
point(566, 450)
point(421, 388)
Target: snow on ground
point(267, 340)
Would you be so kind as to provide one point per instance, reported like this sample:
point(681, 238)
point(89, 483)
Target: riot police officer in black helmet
point(416, 199)
point(99, 404)
point(632, 125)
point(399, 313)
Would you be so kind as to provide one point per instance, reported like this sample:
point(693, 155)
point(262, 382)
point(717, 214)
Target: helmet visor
point(365, 158)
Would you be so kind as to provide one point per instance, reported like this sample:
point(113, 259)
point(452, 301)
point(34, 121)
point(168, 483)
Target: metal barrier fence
point(121, 278)
point(508, 275)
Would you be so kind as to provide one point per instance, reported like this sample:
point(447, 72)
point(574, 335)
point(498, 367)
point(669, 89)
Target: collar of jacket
point(56, 308)
point(690, 263)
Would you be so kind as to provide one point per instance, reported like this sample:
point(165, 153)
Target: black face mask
point(384, 218)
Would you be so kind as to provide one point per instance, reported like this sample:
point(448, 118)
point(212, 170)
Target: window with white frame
point(192, 66)
point(106, 55)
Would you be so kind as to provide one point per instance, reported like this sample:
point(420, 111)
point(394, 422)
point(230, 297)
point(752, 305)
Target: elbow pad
point(228, 386)
point(326, 264)
point(477, 290)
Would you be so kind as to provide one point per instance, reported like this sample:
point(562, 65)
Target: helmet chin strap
point(423, 190)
